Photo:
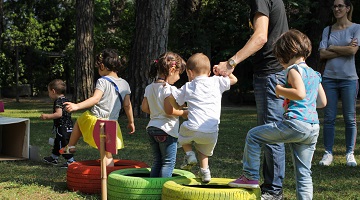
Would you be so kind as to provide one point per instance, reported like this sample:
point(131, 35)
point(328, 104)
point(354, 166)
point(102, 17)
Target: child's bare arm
point(297, 90)
point(145, 106)
point(233, 79)
point(56, 115)
point(170, 110)
point(129, 114)
point(173, 102)
point(72, 107)
point(321, 100)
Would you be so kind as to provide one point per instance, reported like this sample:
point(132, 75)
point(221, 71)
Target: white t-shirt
point(155, 94)
point(109, 105)
point(203, 97)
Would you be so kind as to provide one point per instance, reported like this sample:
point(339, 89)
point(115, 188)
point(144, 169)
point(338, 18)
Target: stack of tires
point(137, 184)
point(85, 176)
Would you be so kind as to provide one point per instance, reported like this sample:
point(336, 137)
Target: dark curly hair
point(110, 59)
point(163, 64)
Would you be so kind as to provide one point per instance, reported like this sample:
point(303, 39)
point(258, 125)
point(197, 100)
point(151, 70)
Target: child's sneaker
point(205, 175)
point(327, 159)
point(189, 161)
point(243, 182)
point(350, 160)
point(67, 150)
point(50, 160)
point(65, 165)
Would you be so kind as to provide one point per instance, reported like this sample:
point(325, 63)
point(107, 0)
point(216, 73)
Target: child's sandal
point(67, 150)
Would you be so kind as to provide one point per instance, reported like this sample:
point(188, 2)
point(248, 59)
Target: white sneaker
point(327, 159)
point(189, 161)
point(205, 175)
point(350, 160)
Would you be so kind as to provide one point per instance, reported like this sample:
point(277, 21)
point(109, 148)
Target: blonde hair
point(349, 4)
point(199, 63)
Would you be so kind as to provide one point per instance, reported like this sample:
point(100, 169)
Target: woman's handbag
point(322, 63)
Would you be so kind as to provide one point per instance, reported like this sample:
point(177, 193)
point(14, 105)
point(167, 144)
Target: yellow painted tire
point(217, 188)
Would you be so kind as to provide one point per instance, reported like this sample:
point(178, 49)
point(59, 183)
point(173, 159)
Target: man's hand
point(223, 69)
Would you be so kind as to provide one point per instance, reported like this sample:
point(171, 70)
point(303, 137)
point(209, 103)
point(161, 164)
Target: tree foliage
point(44, 32)
point(34, 35)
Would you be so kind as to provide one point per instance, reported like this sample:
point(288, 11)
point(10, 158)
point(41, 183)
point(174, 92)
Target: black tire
point(137, 184)
point(217, 188)
point(85, 176)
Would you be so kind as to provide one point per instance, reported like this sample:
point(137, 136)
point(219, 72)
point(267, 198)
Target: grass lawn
point(36, 180)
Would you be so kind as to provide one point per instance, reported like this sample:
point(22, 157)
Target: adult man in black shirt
point(269, 21)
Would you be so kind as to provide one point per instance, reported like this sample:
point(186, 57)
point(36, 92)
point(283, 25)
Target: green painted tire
point(217, 188)
point(136, 183)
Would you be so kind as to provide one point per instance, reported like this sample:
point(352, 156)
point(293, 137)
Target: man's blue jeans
point(302, 138)
point(348, 90)
point(269, 109)
point(164, 148)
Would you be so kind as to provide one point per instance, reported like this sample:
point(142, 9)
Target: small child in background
point(303, 93)
point(111, 93)
point(163, 127)
point(203, 97)
point(63, 124)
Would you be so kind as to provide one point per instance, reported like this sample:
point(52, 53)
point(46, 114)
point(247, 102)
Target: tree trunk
point(116, 9)
point(320, 10)
point(151, 39)
point(84, 45)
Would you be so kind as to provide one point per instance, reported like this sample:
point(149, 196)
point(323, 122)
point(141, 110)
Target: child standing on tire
point(303, 93)
point(111, 93)
point(203, 97)
point(163, 127)
point(63, 124)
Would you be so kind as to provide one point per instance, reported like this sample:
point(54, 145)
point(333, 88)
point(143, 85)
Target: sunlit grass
point(36, 180)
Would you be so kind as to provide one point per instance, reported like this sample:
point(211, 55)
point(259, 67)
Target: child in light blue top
point(304, 109)
point(303, 92)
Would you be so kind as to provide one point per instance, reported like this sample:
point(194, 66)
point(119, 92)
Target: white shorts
point(204, 142)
